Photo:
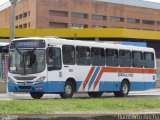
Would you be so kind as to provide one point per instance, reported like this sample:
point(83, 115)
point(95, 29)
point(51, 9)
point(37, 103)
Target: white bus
point(53, 65)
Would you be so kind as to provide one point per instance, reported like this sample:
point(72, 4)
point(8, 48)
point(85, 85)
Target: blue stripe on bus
point(134, 86)
point(78, 85)
point(58, 86)
point(94, 77)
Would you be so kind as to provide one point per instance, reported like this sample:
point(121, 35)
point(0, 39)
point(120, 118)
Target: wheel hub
point(125, 89)
point(68, 90)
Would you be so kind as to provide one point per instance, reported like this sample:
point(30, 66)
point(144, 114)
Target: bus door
point(68, 56)
point(54, 65)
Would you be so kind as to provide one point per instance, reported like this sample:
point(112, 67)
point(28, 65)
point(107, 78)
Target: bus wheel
point(95, 94)
point(36, 95)
point(68, 90)
point(124, 90)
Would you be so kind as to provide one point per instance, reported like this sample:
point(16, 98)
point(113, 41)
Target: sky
point(4, 1)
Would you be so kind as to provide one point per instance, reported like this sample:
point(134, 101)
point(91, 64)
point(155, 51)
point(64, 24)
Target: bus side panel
point(109, 82)
point(83, 75)
point(55, 86)
point(109, 86)
point(150, 81)
point(137, 86)
point(97, 79)
point(137, 81)
point(55, 81)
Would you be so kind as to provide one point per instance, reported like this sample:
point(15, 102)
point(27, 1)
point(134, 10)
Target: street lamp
point(12, 19)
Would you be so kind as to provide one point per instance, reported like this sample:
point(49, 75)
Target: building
point(43, 17)
point(130, 14)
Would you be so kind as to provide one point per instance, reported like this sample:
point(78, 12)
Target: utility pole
point(12, 19)
point(12, 33)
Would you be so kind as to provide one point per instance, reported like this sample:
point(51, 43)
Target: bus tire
point(95, 94)
point(125, 88)
point(68, 90)
point(36, 95)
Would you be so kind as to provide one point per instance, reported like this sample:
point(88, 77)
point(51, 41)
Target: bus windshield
point(26, 61)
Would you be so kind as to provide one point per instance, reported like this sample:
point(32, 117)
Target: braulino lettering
point(125, 74)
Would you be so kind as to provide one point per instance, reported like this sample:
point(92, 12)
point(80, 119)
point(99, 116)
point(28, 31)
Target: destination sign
point(28, 44)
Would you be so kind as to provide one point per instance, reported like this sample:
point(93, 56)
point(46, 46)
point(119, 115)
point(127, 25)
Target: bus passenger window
point(111, 57)
point(83, 55)
point(149, 60)
point(54, 59)
point(68, 54)
point(98, 56)
point(125, 58)
point(137, 59)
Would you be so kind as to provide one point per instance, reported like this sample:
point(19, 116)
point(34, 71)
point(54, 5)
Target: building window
point(99, 17)
point(158, 23)
point(116, 19)
point(17, 17)
point(132, 20)
point(78, 25)
point(148, 22)
point(24, 14)
point(79, 15)
point(83, 55)
point(58, 25)
point(25, 25)
point(58, 13)
point(98, 26)
point(68, 54)
point(20, 26)
point(20, 16)
point(16, 26)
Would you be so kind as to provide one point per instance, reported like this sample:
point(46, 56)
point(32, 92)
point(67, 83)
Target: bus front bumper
point(27, 88)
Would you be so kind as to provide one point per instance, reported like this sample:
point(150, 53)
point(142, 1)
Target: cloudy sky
point(4, 1)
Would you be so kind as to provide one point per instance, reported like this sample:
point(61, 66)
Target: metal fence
point(3, 65)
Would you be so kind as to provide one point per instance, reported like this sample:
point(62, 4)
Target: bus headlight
point(10, 80)
point(40, 80)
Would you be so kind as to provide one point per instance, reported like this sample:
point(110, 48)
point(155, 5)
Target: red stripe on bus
point(88, 77)
point(130, 70)
point(99, 77)
point(119, 70)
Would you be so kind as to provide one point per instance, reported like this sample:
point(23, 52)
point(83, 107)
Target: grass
point(102, 105)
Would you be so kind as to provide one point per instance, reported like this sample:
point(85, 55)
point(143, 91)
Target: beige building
point(84, 14)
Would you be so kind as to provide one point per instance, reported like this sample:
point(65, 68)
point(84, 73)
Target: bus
point(53, 65)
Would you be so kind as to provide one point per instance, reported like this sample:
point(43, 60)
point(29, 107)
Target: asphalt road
point(25, 96)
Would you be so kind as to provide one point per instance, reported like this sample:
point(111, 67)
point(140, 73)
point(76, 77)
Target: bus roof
point(55, 40)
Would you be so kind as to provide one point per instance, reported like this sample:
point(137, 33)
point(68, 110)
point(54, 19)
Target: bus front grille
point(24, 78)
point(25, 87)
